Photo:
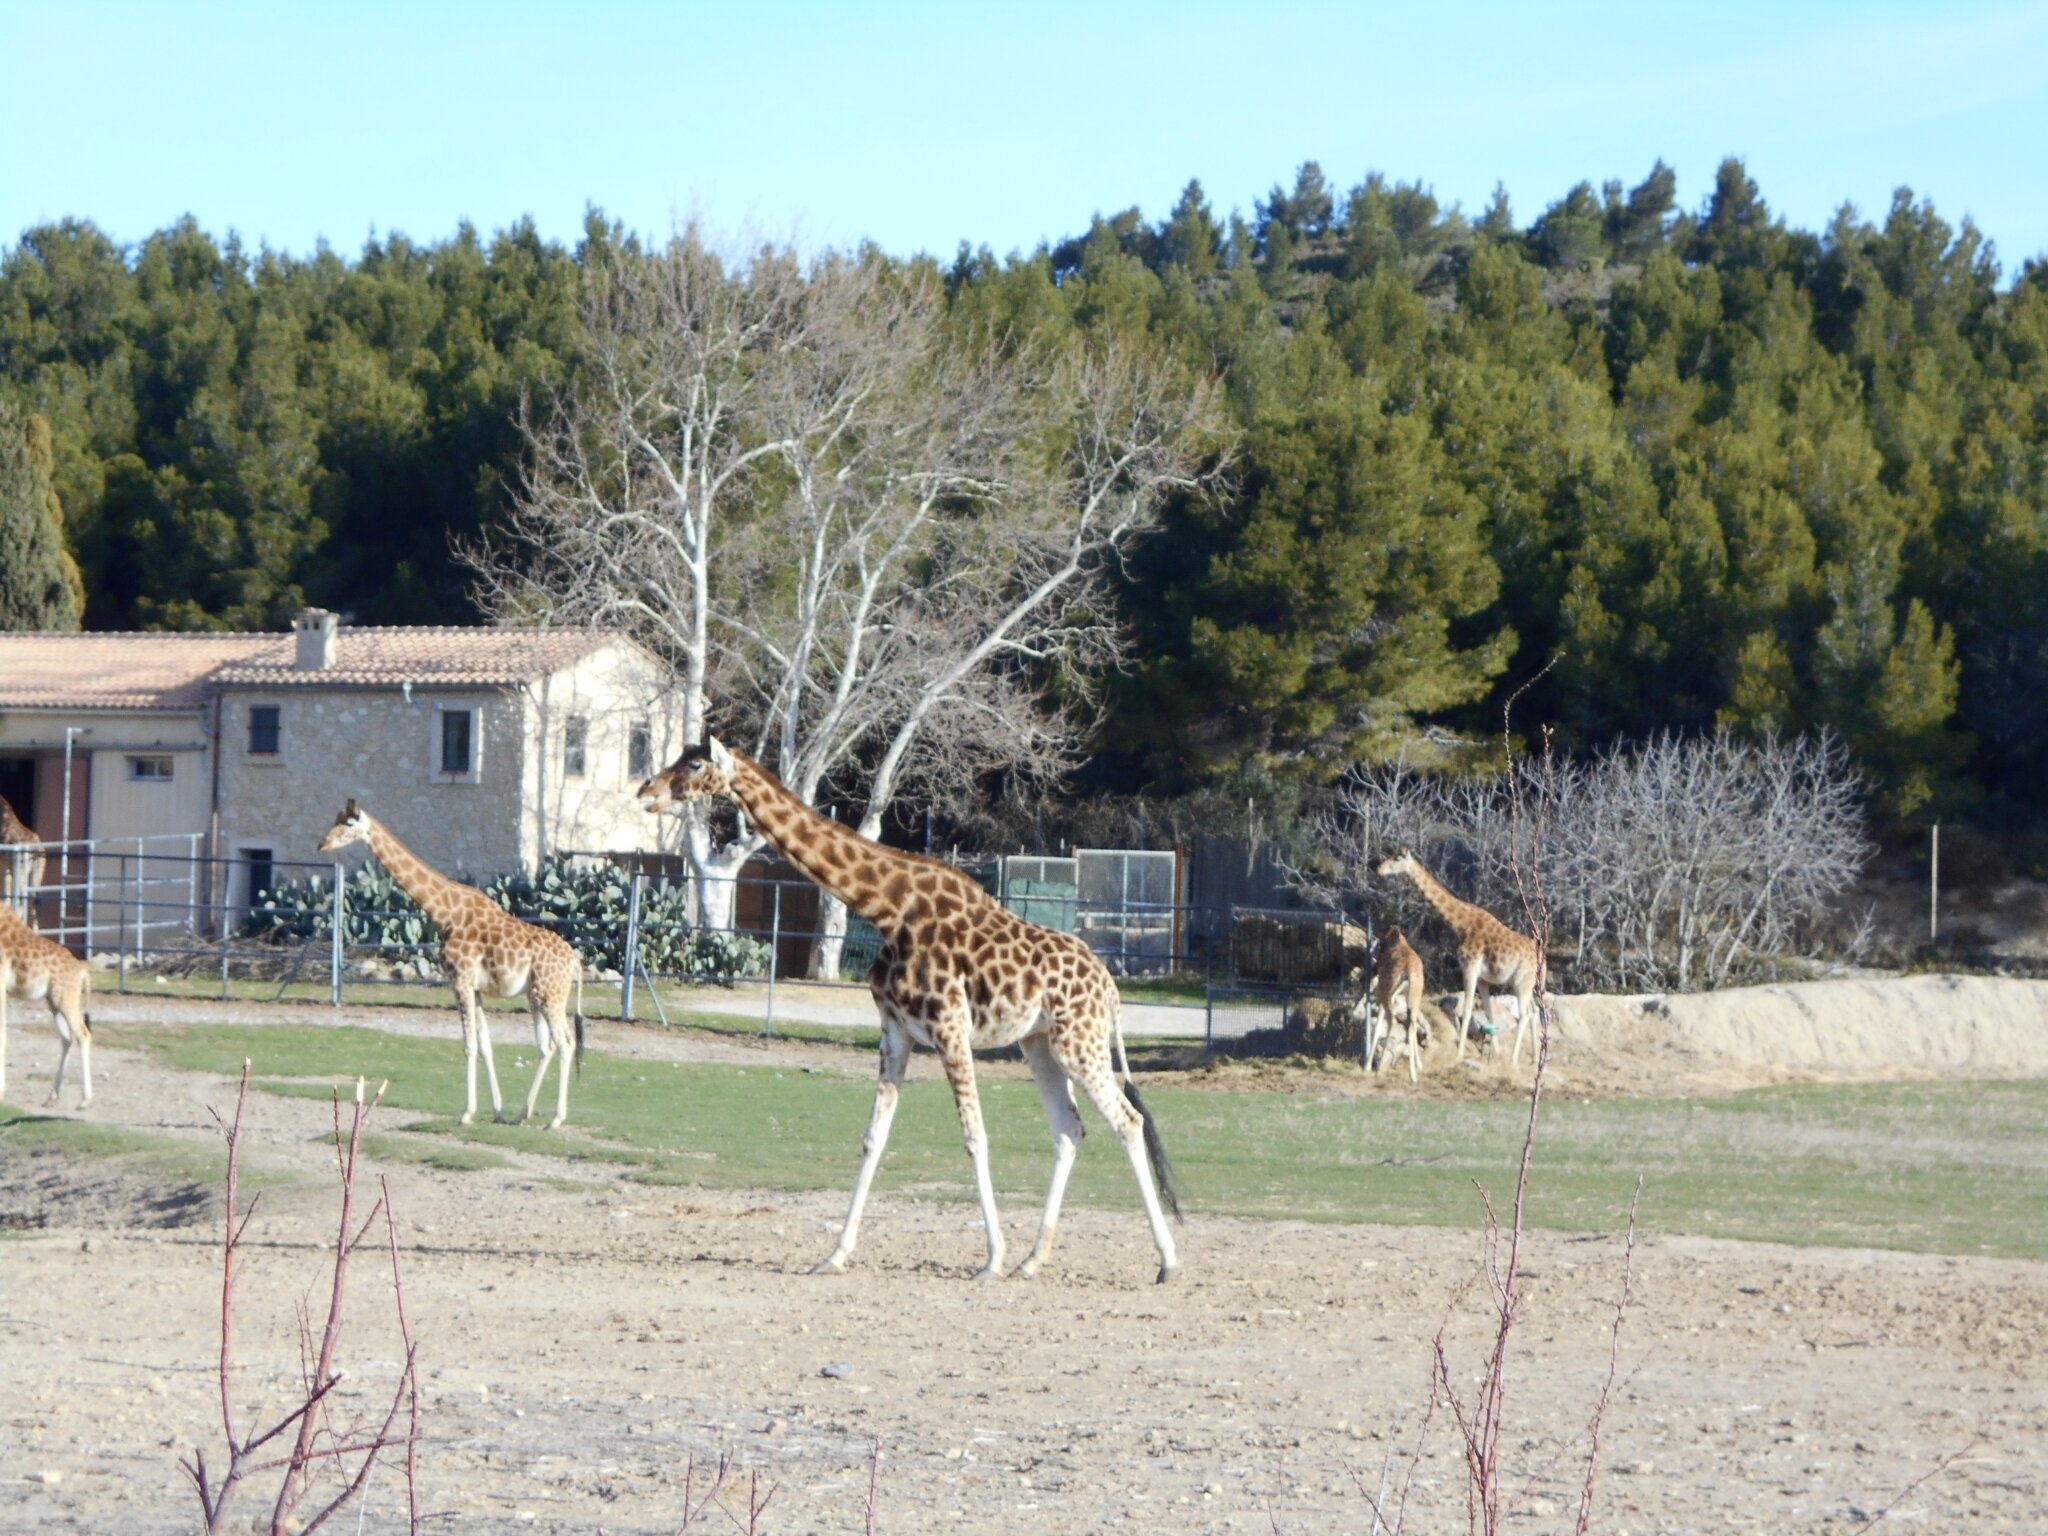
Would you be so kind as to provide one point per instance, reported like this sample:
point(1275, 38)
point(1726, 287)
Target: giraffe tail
point(84, 998)
point(1155, 1149)
point(578, 1059)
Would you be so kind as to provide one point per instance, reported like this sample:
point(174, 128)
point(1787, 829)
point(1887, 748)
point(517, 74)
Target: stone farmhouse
point(485, 749)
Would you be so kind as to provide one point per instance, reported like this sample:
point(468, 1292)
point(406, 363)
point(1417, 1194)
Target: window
point(575, 737)
point(638, 757)
point(263, 730)
point(150, 770)
point(458, 740)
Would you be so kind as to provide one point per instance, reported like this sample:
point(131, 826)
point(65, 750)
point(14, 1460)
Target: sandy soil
point(583, 1339)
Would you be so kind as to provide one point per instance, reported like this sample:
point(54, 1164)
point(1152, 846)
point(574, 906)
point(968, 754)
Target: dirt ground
point(583, 1339)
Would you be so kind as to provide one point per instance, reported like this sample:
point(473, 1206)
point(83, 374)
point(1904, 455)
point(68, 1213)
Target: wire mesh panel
point(1127, 907)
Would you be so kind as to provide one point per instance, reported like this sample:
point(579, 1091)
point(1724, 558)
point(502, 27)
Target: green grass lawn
point(1945, 1168)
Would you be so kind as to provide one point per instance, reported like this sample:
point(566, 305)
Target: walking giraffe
point(21, 868)
point(1488, 949)
point(958, 973)
point(484, 948)
point(33, 967)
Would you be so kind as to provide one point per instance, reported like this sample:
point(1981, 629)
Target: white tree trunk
point(831, 946)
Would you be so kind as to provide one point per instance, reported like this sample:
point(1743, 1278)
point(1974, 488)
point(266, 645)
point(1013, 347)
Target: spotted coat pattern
point(957, 973)
point(1488, 950)
point(34, 968)
point(1397, 973)
point(484, 949)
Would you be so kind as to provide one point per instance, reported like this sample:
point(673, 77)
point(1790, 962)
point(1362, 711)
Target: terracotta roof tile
point(174, 671)
point(447, 657)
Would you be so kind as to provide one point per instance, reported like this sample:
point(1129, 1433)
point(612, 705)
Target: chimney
point(315, 629)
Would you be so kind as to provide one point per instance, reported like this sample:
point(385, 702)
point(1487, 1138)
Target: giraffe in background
point(33, 967)
point(958, 973)
point(26, 862)
point(1488, 949)
point(484, 948)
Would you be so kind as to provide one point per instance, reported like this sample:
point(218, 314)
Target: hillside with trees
point(1732, 473)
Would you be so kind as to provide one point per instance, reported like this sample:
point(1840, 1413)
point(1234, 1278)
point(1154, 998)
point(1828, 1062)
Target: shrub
point(587, 904)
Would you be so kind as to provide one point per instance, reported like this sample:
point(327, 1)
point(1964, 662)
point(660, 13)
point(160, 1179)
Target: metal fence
point(156, 915)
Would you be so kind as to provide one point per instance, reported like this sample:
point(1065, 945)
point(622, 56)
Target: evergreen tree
point(39, 586)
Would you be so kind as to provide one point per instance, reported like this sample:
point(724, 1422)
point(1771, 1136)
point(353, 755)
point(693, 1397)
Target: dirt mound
point(44, 1187)
point(1849, 1030)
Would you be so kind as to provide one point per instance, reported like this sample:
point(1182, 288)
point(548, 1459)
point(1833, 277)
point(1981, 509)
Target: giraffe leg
point(1523, 999)
point(1472, 967)
point(949, 1038)
point(465, 1001)
point(1057, 1092)
point(1107, 1095)
point(543, 1053)
point(895, 1056)
point(483, 1047)
point(1414, 1033)
point(565, 1055)
point(63, 1046)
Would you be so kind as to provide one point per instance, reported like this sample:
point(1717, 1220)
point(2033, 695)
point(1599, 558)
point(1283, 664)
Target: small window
point(575, 739)
point(150, 770)
point(263, 730)
point(458, 744)
point(639, 760)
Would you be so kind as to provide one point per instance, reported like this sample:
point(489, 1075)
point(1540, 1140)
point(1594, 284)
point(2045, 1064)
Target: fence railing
point(178, 914)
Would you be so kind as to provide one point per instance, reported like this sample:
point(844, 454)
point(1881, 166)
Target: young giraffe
point(484, 948)
point(1488, 949)
point(958, 973)
point(32, 967)
point(28, 862)
point(1397, 972)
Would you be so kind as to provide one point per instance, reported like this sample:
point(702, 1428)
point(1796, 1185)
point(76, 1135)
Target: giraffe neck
point(863, 874)
point(439, 897)
point(1459, 914)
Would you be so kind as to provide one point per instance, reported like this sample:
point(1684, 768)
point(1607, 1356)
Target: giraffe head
point(1402, 863)
point(351, 826)
point(701, 773)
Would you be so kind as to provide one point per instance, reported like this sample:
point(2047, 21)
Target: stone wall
point(374, 746)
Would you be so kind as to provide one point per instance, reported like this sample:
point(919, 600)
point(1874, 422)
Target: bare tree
point(1674, 863)
point(877, 549)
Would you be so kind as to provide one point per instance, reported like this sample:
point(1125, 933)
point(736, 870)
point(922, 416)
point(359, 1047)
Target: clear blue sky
point(922, 124)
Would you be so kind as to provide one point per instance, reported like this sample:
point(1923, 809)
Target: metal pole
point(1933, 881)
point(632, 955)
point(227, 888)
point(121, 984)
point(774, 952)
point(1209, 998)
point(335, 948)
point(91, 871)
point(192, 887)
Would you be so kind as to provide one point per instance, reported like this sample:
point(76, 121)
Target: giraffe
point(27, 863)
point(32, 967)
point(484, 948)
point(1488, 949)
point(1397, 971)
point(957, 973)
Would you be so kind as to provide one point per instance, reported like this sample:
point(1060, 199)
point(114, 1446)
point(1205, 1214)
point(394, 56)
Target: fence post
point(227, 885)
point(774, 951)
point(335, 945)
point(91, 854)
point(631, 959)
point(192, 888)
point(121, 972)
point(1209, 998)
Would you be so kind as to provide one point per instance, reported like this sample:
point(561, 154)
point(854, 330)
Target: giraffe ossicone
point(485, 949)
point(959, 973)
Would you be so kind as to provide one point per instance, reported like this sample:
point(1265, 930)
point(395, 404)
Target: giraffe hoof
point(465, 1119)
point(988, 1274)
point(1166, 1273)
point(556, 1123)
point(831, 1264)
